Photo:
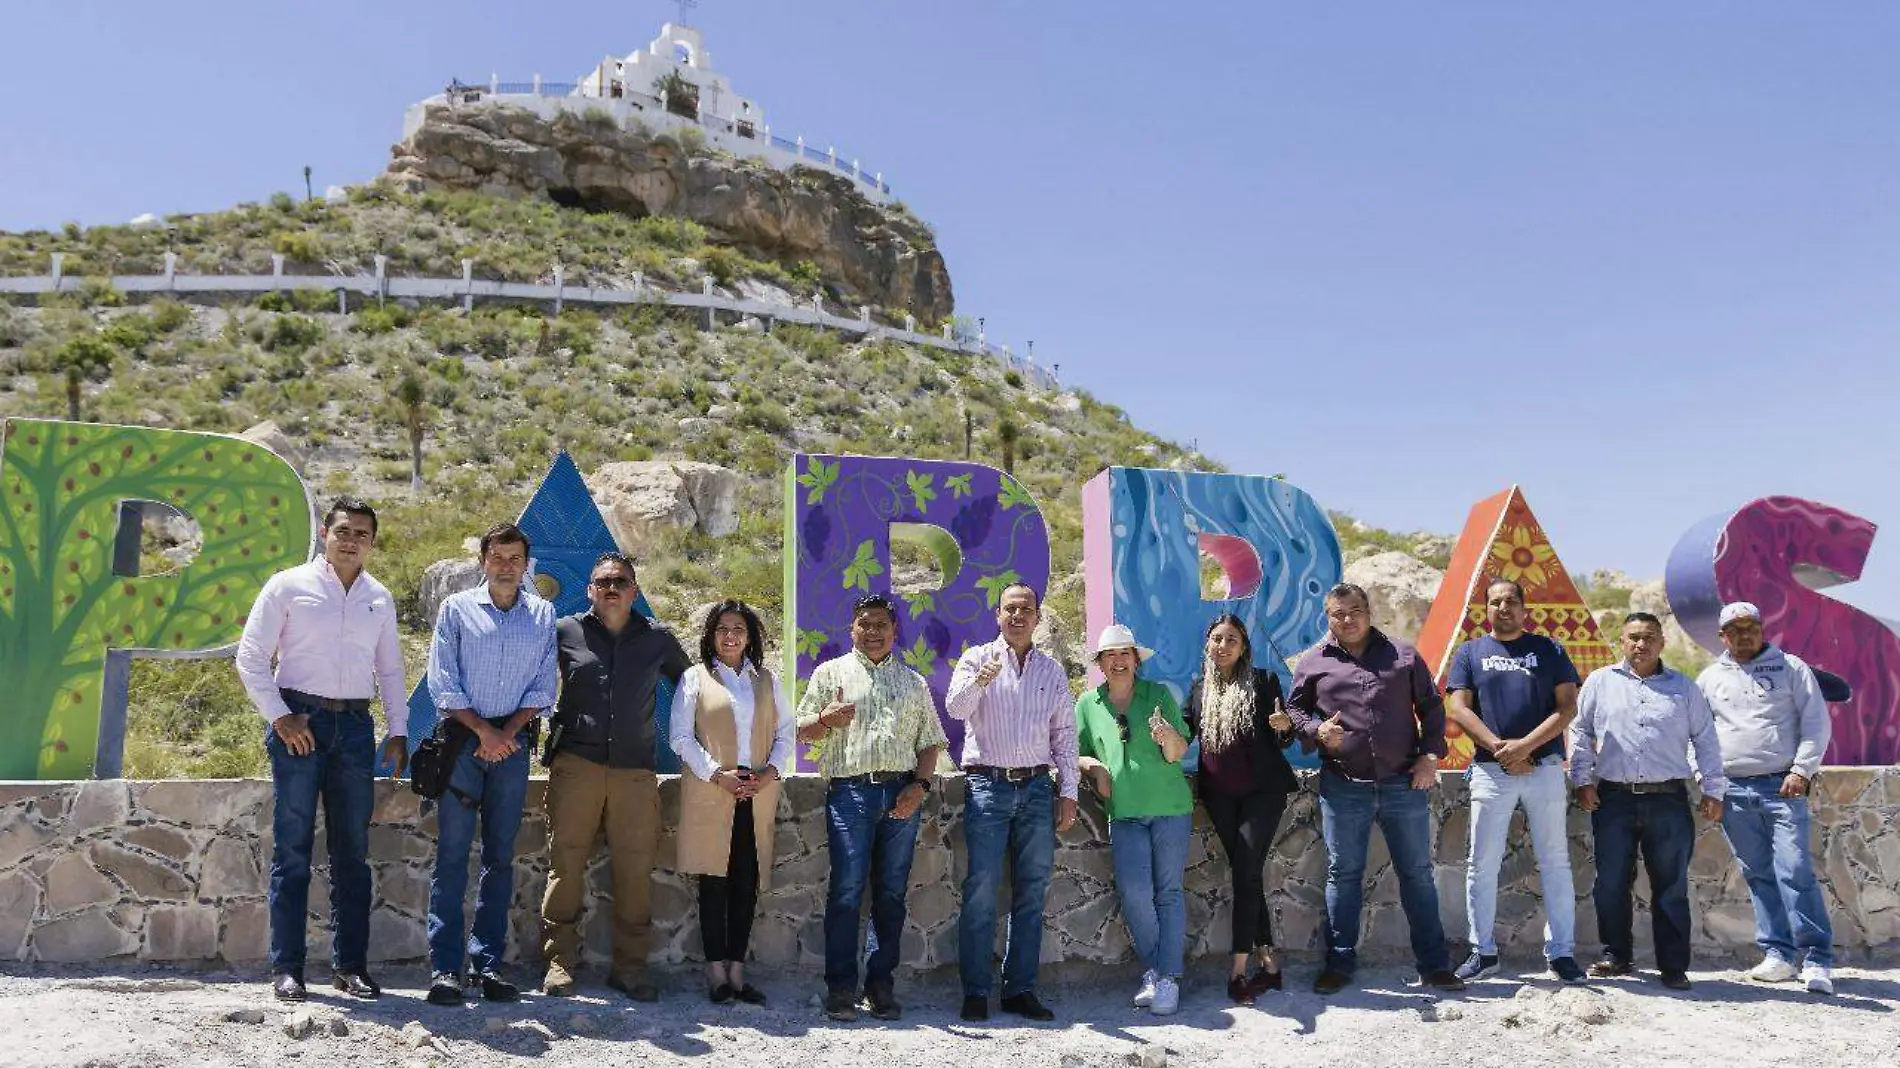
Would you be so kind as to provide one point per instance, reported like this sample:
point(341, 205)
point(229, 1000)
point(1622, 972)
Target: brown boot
point(559, 982)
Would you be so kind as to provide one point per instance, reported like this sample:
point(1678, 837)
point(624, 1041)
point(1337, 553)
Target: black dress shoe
point(721, 994)
point(1028, 1007)
point(975, 1009)
point(1442, 979)
point(444, 989)
point(1264, 981)
point(357, 984)
point(1676, 981)
point(1609, 967)
point(750, 994)
point(288, 987)
point(494, 987)
point(1331, 982)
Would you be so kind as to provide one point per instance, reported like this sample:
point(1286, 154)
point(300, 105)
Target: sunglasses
point(613, 582)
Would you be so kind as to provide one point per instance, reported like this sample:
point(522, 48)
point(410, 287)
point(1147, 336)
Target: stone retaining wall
point(177, 871)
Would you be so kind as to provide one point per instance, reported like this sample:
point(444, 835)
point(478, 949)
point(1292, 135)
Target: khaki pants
point(582, 796)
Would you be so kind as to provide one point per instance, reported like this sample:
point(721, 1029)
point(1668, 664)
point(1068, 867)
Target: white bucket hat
point(1118, 636)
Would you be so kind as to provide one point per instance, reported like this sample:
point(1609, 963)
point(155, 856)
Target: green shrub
point(313, 301)
point(275, 301)
point(383, 320)
point(130, 333)
point(293, 333)
point(300, 246)
point(168, 315)
point(283, 202)
point(1013, 379)
point(99, 293)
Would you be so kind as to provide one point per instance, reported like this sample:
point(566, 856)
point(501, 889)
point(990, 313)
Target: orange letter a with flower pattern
point(1503, 540)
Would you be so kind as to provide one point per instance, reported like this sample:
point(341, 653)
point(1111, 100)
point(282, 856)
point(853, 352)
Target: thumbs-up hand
point(988, 672)
point(839, 712)
point(1332, 733)
point(1278, 719)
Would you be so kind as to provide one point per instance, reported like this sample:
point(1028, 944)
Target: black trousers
point(727, 902)
point(1661, 829)
point(1246, 824)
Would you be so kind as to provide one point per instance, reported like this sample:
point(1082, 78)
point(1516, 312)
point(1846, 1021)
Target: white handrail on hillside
point(468, 288)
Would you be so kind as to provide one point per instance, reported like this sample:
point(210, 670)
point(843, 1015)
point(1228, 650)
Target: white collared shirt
point(328, 642)
point(681, 731)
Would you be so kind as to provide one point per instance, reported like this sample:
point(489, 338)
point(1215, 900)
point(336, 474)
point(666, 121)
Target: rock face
point(883, 258)
point(272, 437)
point(1400, 588)
point(641, 498)
point(443, 578)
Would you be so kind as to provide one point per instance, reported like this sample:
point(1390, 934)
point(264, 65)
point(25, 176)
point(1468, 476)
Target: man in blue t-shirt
point(1514, 693)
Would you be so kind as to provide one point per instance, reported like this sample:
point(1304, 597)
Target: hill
point(495, 391)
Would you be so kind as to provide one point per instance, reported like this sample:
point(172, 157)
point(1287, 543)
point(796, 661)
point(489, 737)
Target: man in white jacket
point(1773, 727)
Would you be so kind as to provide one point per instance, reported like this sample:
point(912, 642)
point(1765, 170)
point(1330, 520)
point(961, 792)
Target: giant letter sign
point(1775, 552)
point(1503, 540)
point(985, 531)
point(1142, 535)
point(68, 618)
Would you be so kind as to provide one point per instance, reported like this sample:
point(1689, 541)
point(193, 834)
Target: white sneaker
point(1150, 983)
point(1167, 997)
point(1818, 979)
point(1772, 969)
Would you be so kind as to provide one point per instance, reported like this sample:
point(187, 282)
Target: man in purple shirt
point(1371, 707)
point(1022, 726)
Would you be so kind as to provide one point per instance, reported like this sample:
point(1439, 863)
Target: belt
point(1667, 786)
point(874, 778)
point(1008, 774)
point(328, 704)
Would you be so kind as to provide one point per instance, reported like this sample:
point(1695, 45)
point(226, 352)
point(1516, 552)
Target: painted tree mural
point(63, 609)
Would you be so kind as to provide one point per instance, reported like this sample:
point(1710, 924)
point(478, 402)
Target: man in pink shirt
point(1021, 726)
point(332, 630)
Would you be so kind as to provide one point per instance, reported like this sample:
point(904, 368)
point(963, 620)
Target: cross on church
point(685, 6)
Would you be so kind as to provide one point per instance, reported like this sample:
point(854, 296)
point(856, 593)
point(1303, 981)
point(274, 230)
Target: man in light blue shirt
point(492, 670)
point(1629, 757)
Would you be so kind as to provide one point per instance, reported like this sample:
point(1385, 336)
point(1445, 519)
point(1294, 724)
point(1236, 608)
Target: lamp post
point(306, 183)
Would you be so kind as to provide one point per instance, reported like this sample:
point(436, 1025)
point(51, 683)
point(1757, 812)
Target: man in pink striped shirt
point(1020, 726)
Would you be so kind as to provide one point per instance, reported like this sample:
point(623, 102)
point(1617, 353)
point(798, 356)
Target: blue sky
point(1643, 259)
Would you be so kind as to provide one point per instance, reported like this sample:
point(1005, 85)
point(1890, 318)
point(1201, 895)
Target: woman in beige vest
point(733, 732)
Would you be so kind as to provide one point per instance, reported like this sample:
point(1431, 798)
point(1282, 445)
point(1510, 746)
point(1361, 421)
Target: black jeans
point(1246, 825)
point(726, 902)
point(1660, 827)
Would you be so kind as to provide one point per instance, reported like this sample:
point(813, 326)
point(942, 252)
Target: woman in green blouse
point(1132, 741)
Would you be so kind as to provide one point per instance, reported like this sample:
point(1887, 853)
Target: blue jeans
point(1769, 834)
point(1495, 795)
point(1150, 854)
point(495, 792)
point(1660, 827)
point(340, 771)
point(1349, 808)
point(866, 842)
point(1013, 822)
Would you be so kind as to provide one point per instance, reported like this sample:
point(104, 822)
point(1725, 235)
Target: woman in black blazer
point(1235, 710)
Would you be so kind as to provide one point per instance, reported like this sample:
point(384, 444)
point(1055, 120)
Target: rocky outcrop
point(642, 498)
point(272, 437)
point(876, 255)
point(1400, 588)
point(441, 579)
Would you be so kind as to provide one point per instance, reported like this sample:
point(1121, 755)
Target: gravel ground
point(126, 1016)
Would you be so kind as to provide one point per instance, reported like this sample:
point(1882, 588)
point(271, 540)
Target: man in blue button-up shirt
point(1629, 756)
point(492, 669)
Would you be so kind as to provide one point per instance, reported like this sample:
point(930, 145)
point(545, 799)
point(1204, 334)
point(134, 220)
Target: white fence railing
point(468, 289)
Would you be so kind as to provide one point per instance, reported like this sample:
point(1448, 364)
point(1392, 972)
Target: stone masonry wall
point(177, 871)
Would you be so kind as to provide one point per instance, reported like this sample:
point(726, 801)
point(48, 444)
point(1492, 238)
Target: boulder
point(642, 498)
point(1400, 588)
point(877, 255)
point(272, 437)
point(1052, 640)
point(443, 578)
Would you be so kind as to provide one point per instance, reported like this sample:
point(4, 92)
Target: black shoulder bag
point(433, 762)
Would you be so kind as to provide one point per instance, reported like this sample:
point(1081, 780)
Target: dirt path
point(139, 1018)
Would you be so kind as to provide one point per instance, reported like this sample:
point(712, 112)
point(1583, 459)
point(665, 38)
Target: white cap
point(1118, 636)
point(1738, 610)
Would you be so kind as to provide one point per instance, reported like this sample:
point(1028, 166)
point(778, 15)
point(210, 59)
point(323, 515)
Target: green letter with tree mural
point(64, 610)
